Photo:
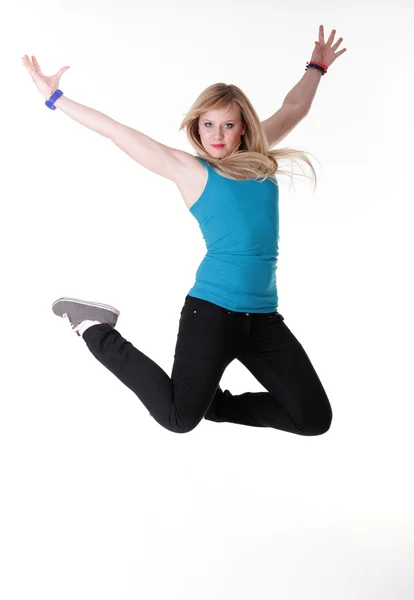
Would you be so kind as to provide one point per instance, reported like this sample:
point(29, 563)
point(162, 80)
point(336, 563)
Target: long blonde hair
point(253, 157)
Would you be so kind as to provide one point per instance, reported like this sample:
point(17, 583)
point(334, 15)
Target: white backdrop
point(97, 499)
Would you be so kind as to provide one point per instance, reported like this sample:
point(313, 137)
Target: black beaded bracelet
point(314, 66)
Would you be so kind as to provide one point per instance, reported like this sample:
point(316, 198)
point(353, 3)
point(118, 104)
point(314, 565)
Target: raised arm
point(152, 155)
point(144, 150)
point(282, 122)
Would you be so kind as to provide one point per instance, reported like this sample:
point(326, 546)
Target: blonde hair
point(253, 156)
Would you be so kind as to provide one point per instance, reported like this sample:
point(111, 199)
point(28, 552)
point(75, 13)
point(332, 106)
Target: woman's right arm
point(163, 160)
point(89, 117)
point(144, 150)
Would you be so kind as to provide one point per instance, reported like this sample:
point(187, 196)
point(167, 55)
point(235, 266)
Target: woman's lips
point(218, 145)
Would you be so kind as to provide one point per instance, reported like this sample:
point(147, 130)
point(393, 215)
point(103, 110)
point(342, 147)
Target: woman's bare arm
point(163, 160)
point(90, 118)
point(149, 153)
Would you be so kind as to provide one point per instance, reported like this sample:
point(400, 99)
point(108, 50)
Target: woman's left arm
point(304, 92)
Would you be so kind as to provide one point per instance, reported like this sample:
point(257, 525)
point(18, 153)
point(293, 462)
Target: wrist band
point(50, 103)
point(320, 66)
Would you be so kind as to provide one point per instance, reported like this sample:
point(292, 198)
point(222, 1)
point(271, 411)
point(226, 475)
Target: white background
point(98, 501)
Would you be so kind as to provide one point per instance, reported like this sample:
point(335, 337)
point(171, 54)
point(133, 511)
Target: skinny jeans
point(209, 338)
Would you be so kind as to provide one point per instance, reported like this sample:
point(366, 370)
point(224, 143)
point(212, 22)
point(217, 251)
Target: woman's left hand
point(325, 53)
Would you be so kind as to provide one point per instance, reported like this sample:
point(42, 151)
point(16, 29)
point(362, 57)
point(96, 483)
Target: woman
point(231, 311)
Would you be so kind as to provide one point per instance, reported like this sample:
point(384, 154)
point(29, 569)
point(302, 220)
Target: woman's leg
point(178, 403)
point(295, 402)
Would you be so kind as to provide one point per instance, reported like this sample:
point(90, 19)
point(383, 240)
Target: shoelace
point(65, 315)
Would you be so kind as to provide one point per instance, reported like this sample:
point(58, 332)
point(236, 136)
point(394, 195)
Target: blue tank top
point(239, 220)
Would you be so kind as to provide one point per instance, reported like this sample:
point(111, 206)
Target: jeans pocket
point(207, 312)
point(276, 316)
point(203, 308)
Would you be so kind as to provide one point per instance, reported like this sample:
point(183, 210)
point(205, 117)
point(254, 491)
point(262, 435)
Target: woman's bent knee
point(315, 426)
point(176, 424)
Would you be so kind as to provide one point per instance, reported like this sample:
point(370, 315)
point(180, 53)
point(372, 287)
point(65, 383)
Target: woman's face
point(223, 126)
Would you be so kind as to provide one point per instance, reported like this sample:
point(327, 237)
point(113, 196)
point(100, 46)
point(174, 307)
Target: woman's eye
point(231, 124)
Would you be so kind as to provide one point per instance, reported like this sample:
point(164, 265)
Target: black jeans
point(209, 339)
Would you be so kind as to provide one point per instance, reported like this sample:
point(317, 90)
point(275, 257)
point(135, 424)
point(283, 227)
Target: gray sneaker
point(77, 311)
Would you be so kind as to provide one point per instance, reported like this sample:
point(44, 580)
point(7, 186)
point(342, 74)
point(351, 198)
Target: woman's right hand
point(46, 85)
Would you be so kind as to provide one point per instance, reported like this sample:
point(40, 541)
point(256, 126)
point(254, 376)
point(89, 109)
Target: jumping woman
point(231, 312)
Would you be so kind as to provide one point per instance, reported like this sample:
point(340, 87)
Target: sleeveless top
point(239, 221)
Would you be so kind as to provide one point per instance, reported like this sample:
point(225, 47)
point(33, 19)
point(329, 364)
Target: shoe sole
point(80, 310)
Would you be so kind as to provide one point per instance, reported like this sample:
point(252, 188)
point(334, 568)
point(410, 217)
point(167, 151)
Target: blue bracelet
point(50, 103)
